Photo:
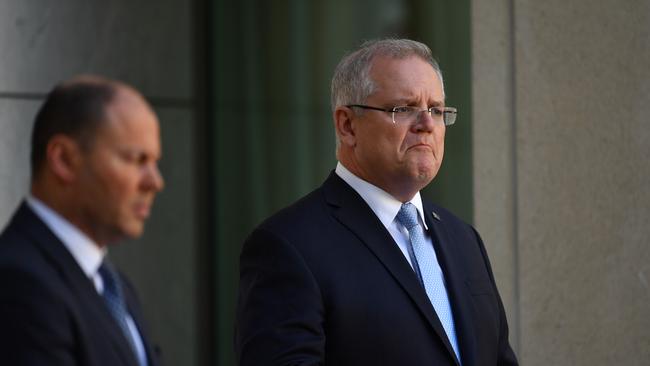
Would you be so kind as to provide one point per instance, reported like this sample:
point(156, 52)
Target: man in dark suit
point(95, 148)
point(361, 271)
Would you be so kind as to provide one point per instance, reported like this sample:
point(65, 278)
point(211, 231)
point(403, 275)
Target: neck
point(61, 200)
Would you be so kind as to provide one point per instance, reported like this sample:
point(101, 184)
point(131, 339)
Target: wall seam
point(156, 101)
point(515, 177)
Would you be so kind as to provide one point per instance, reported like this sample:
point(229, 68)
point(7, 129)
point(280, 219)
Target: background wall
point(561, 169)
point(148, 44)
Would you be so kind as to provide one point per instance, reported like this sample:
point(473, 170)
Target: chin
point(426, 172)
point(424, 176)
point(423, 179)
point(134, 231)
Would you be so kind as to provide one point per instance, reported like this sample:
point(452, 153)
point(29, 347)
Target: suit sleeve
point(280, 314)
point(35, 326)
point(505, 356)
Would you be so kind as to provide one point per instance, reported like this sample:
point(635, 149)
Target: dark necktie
point(114, 298)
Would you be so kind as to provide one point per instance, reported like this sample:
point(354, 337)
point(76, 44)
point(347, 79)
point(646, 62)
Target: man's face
point(119, 176)
point(401, 159)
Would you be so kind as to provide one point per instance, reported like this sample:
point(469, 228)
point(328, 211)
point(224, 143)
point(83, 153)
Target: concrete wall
point(561, 99)
point(149, 45)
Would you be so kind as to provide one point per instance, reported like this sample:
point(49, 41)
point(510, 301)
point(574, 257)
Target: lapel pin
point(435, 215)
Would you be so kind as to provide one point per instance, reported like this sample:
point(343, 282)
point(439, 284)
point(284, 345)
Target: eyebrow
point(138, 153)
point(408, 101)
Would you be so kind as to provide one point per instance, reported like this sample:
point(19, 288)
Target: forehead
point(404, 78)
point(130, 120)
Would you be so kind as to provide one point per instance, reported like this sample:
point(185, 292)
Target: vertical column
point(561, 174)
point(582, 87)
point(494, 155)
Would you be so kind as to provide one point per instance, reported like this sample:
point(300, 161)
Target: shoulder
point(306, 212)
point(17, 239)
point(452, 224)
point(298, 232)
point(26, 272)
point(18, 252)
point(445, 216)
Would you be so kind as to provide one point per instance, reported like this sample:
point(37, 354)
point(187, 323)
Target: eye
point(404, 109)
point(435, 111)
point(128, 156)
point(143, 159)
point(135, 157)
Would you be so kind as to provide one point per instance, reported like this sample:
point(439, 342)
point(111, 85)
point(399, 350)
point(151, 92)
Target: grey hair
point(352, 84)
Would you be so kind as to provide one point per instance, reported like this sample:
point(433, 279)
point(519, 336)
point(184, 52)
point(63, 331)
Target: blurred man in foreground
point(95, 147)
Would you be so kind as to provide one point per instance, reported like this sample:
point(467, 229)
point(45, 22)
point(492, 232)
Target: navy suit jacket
point(323, 282)
point(50, 312)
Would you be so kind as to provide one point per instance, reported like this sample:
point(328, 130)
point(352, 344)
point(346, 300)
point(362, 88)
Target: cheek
point(119, 189)
point(398, 141)
point(374, 142)
point(393, 148)
point(439, 139)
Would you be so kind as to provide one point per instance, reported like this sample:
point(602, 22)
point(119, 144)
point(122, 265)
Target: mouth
point(142, 210)
point(420, 146)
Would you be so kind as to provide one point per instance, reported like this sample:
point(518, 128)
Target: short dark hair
point(75, 108)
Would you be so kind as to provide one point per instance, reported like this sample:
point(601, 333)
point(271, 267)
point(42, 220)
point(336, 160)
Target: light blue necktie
point(114, 298)
point(426, 267)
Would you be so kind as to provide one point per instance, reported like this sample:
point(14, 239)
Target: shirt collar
point(384, 205)
point(84, 250)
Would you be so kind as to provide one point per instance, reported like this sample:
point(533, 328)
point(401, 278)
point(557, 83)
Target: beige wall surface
point(562, 172)
point(15, 133)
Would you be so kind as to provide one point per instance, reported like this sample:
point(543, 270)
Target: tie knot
point(408, 215)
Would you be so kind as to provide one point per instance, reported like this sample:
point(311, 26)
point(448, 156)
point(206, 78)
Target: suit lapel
point(446, 251)
point(353, 212)
point(133, 306)
point(87, 298)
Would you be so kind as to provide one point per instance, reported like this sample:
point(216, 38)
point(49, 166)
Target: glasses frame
point(449, 114)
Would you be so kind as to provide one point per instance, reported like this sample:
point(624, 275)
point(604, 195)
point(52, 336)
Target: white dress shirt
point(88, 255)
point(385, 208)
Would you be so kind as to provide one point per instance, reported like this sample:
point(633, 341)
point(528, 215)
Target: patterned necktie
point(114, 299)
point(425, 264)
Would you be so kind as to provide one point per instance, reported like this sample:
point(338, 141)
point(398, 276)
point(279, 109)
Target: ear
point(345, 129)
point(64, 157)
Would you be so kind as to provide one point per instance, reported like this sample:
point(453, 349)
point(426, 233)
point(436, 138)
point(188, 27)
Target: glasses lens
point(410, 115)
point(450, 117)
point(404, 115)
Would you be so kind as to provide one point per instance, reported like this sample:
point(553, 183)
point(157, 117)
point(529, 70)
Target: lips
point(142, 210)
point(421, 146)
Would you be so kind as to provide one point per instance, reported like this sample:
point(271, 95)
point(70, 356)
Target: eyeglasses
point(408, 115)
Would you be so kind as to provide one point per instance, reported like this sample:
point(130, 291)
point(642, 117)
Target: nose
point(424, 122)
point(152, 179)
